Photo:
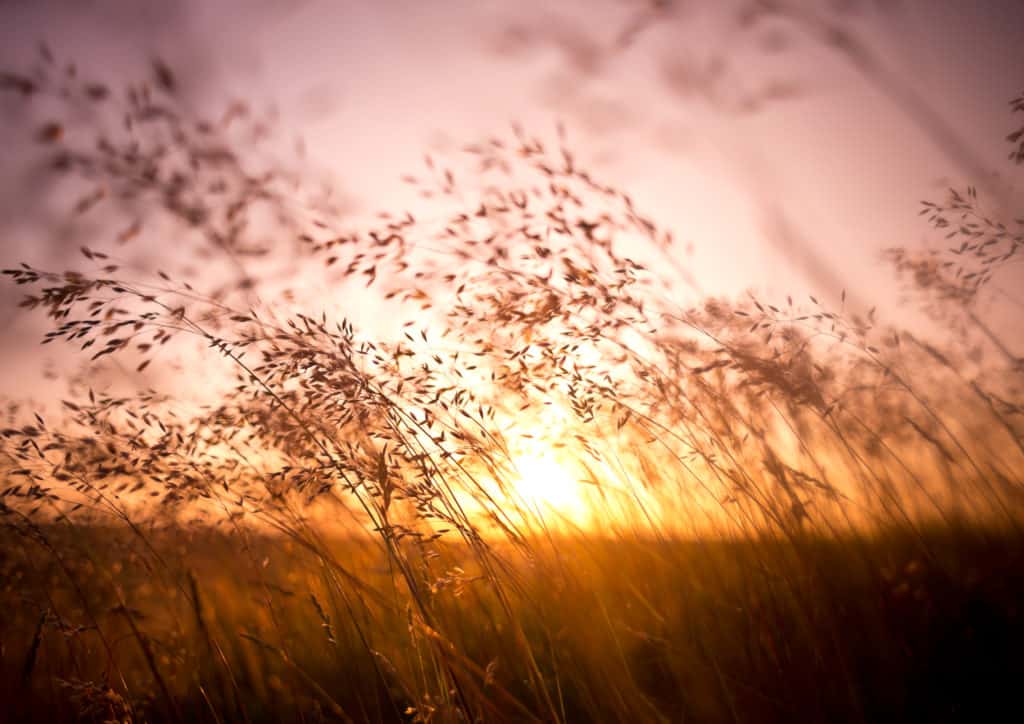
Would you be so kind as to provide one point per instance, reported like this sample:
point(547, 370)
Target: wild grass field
point(561, 490)
point(882, 628)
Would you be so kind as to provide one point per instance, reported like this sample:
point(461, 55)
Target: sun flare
point(548, 486)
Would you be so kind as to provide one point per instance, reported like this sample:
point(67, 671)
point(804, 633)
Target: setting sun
point(546, 485)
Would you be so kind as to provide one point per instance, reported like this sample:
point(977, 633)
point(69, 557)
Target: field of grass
point(194, 626)
point(564, 490)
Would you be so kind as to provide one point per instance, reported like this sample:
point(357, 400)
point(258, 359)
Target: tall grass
point(786, 510)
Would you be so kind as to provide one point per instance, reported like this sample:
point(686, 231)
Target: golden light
point(547, 486)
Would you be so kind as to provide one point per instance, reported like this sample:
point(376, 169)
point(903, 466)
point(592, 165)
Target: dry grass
point(792, 510)
point(860, 629)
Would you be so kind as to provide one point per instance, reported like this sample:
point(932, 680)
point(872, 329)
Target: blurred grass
point(794, 511)
point(882, 627)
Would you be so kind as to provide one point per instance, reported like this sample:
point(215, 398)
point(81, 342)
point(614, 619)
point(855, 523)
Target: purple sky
point(738, 138)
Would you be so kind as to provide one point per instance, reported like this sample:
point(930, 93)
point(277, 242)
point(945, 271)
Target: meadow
point(880, 628)
point(563, 490)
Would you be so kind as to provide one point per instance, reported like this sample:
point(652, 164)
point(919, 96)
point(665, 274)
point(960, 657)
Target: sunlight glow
point(547, 486)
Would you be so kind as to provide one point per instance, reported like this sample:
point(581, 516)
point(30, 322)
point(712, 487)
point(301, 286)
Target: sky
point(826, 123)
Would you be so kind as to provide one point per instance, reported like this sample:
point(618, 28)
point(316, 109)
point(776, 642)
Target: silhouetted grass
point(779, 510)
point(886, 627)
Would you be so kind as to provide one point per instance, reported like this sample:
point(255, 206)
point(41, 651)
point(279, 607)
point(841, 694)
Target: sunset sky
point(739, 138)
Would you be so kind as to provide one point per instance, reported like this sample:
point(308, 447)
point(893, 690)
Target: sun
point(548, 486)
